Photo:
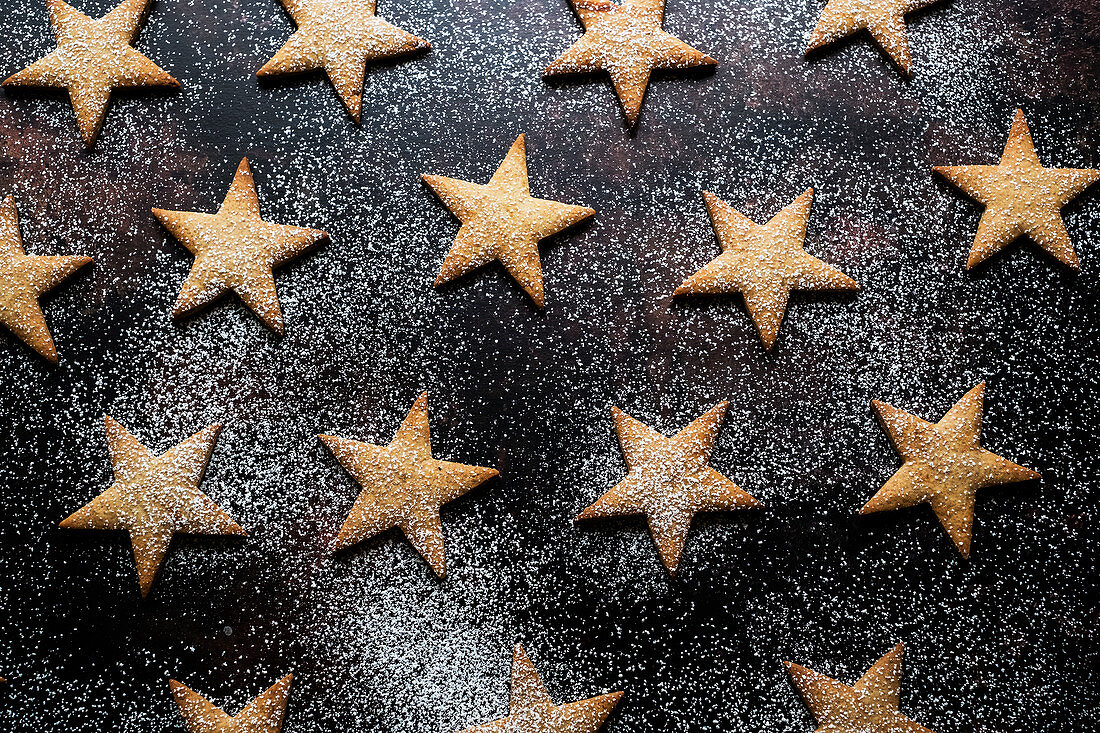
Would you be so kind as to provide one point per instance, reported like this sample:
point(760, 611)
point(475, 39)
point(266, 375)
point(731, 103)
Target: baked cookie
point(93, 57)
point(236, 250)
point(532, 711)
point(1020, 197)
point(628, 43)
point(943, 465)
point(341, 37)
point(883, 19)
point(502, 221)
point(263, 715)
point(155, 497)
point(869, 706)
point(403, 486)
point(763, 263)
point(669, 481)
point(23, 278)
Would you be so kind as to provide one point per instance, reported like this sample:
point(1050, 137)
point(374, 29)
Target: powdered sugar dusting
point(999, 642)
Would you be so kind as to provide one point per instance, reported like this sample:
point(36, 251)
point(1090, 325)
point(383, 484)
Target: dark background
point(1006, 641)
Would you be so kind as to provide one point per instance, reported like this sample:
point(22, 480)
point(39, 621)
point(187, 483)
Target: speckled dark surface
point(1004, 642)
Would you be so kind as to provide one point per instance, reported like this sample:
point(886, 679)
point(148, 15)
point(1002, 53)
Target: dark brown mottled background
point(1005, 642)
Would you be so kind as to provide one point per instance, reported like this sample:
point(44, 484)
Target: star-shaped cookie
point(263, 715)
point(1020, 197)
point(628, 43)
point(669, 480)
point(532, 711)
point(155, 497)
point(236, 250)
point(23, 278)
point(341, 37)
point(502, 221)
point(92, 58)
point(763, 263)
point(869, 706)
point(943, 465)
point(403, 486)
point(883, 19)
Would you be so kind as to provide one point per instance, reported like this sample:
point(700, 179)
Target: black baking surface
point(1006, 641)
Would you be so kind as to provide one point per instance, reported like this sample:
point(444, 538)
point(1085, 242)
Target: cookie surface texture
point(669, 481)
point(155, 497)
point(502, 221)
point(764, 263)
point(627, 42)
point(236, 250)
point(532, 711)
point(340, 37)
point(944, 466)
point(403, 486)
point(23, 278)
point(93, 57)
point(1020, 197)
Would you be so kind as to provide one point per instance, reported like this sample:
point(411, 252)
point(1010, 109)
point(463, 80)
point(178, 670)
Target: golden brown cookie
point(236, 250)
point(763, 263)
point(943, 465)
point(883, 19)
point(92, 58)
point(628, 43)
point(669, 481)
point(532, 711)
point(263, 715)
point(23, 278)
point(869, 706)
point(403, 486)
point(1020, 197)
point(502, 221)
point(341, 37)
point(155, 497)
